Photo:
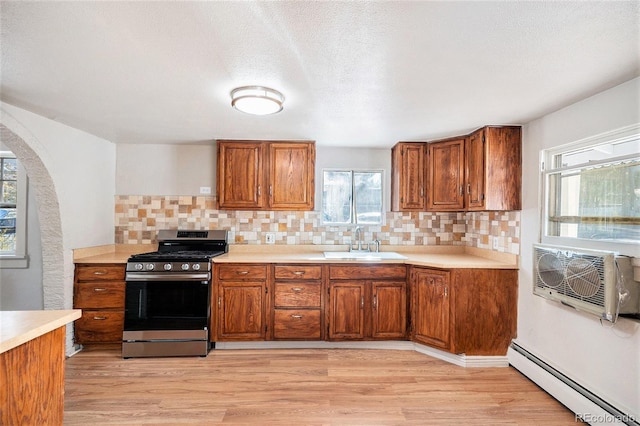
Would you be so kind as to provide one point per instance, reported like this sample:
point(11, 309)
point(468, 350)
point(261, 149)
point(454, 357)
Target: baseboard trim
point(588, 406)
point(460, 360)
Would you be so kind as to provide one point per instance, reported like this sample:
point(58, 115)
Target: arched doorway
point(24, 146)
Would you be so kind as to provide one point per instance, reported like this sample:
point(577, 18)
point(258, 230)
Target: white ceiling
point(354, 73)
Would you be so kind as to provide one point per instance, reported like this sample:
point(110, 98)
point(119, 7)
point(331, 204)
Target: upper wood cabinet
point(494, 169)
point(445, 165)
point(408, 181)
point(258, 175)
point(476, 172)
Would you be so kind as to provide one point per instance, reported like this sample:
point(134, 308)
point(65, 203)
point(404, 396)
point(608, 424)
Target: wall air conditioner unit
point(597, 282)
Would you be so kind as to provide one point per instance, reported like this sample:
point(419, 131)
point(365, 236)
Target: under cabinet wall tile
point(138, 218)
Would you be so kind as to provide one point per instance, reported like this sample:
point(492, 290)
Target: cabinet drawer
point(296, 324)
point(360, 272)
point(99, 327)
point(100, 272)
point(241, 271)
point(99, 295)
point(297, 272)
point(297, 294)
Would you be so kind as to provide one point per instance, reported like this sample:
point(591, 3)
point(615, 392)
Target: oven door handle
point(132, 276)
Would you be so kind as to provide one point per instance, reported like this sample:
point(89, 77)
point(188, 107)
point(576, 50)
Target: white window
point(592, 190)
point(352, 196)
point(13, 205)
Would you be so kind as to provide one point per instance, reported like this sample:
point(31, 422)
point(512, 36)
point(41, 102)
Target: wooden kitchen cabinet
point(367, 302)
point(239, 298)
point(297, 302)
point(445, 169)
point(430, 307)
point(494, 169)
point(99, 291)
point(470, 311)
point(408, 181)
point(260, 175)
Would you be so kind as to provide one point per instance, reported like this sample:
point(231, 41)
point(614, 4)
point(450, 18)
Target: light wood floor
point(300, 387)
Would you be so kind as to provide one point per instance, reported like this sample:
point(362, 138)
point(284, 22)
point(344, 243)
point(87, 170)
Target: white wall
point(183, 169)
point(72, 174)
point(21, 288)
point(604, 359)
point(152, 169)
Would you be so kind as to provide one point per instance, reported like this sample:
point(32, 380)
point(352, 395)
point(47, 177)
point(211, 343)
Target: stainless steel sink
point(362, 255)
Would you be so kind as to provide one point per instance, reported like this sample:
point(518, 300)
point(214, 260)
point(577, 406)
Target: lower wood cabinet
point(470, 311)
point(297, 302)
point(239, 293)
point(99, 291)
point(367, 302)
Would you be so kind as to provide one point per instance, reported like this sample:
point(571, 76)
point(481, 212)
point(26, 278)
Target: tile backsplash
point(138, 219)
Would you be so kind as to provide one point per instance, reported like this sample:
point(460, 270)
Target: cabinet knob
point(298, 273)
point(296, 316)
point(99, 289)
point(446, 292)
point(99, 318)
point(375, 302)
point(99, 272)
point(242, 272)
point(296, 289)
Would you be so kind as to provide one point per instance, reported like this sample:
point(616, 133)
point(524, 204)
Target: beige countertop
point(432, 256)
point(18, 327)
point(112, 253)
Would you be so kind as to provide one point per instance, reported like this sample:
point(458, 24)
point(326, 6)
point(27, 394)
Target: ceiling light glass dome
point(257, 100)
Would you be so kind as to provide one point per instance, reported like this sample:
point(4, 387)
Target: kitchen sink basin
point(362, 255)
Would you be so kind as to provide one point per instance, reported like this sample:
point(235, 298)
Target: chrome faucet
point(358, 237)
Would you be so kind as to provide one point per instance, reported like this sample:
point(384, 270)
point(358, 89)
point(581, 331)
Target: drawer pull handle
point(296, 289)
point(99, 289)
point(296, 316)
point(99, 318)
point(298, 273)
point(100, 273)
point(242, 272)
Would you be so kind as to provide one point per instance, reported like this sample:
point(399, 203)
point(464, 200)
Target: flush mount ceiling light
point(257, 100)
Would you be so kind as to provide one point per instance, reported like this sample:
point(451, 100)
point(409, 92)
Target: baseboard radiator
point(587, 406)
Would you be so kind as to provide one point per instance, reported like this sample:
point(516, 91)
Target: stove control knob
point(196, 266)
point(138, 266)
point(185, 266)
point(167, 266)
point(150, 266)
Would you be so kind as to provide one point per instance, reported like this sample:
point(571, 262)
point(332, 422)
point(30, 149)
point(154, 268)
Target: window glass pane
point(336, 197)
point(8, 201)
point(598, 203)
point(368, 193)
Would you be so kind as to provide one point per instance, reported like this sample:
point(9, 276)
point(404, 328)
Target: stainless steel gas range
point(168, 293)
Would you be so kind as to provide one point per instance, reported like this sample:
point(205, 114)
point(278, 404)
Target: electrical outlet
point(270, 238)
point(205, 190)
point(495, 243)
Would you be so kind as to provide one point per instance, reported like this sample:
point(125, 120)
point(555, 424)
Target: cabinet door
point(346, 310)
point(241, 312)
point(431, 310)
point(475, 160)
point(389, 310)
point(240, 176)
point(291, 178)
point(408, 176)
point(446, 175)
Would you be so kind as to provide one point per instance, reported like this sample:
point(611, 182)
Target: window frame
point(18, 258)
point(353, 203)
point(548, 168)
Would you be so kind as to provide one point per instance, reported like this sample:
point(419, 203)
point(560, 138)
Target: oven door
point(167, 304)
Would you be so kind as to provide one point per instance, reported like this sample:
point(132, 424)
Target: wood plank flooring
point(300, 387)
